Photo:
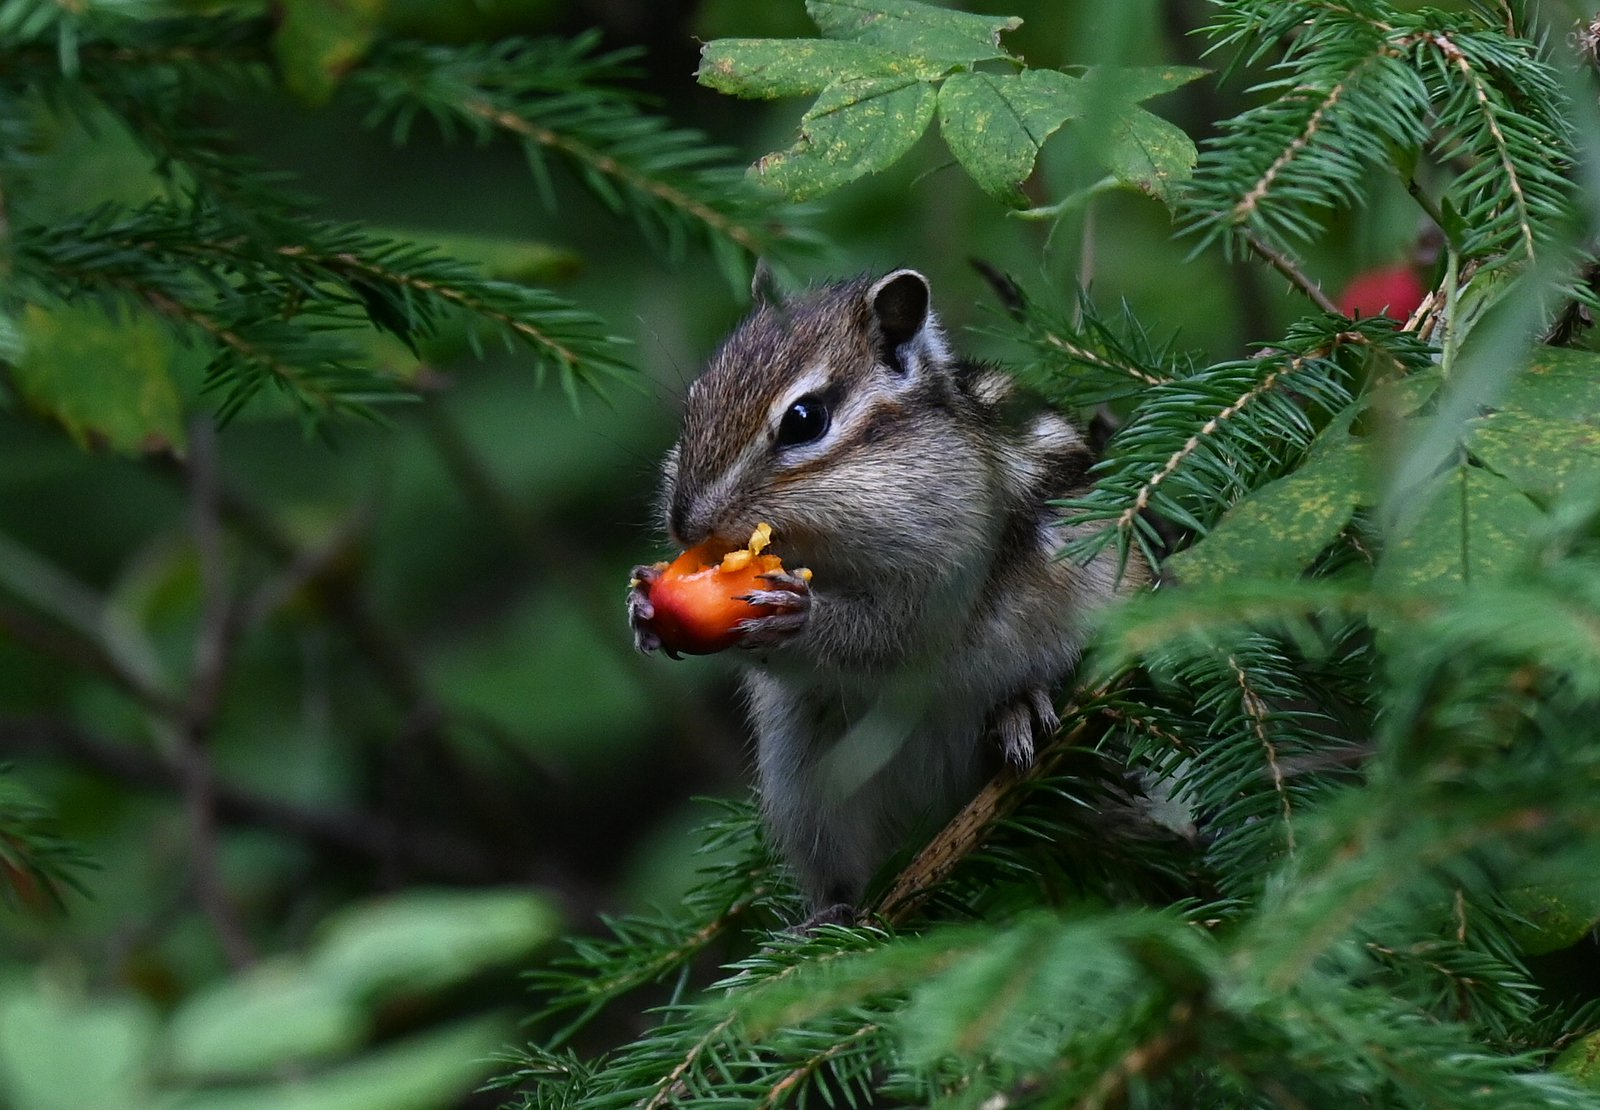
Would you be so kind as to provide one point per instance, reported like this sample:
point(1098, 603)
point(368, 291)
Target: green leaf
point(924, 30)
point(1396, 398)
point(1133, 84)
point(425, 939)
point(855, 128)
point(1580, 1062)
point(319, 41)
point(1148, 153)
point(1475, 526)
point(1558, 383)
point(254, 1023)
point(995, 124)
point(422, 1072)
point(769, 68)
point(1556, 915)
point(107, 382)
point(1277, 530)
point(1538, 454)
point(59, 1051)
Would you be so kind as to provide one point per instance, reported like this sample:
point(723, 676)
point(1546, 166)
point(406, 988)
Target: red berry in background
point(1393, 291)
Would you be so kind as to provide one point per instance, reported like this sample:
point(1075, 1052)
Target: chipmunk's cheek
point(699, 600)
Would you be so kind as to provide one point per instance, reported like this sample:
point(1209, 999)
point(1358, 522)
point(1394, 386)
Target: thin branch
point(355, 263)
point(77, 650)
point(1425, 202)
point(1141, 501)
point(1247, 205)
point(283, 371)
point(364, 837)
point(1094, 358)
point(969, 829)
point(213, 651)
point(1513, 179)
point(425, 721)
point(672, 1087)
point(785, 1086)
point(1291, 270)
point(1255, 707)
point(676, 198)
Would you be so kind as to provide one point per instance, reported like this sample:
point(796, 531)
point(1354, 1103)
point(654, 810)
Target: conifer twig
point(1147, 489)
point(785, 1086)
point(1291, 270)
point(1255, 708)
point(213, 652)
point(968, 829)
point(611, 167)
point(1513, 176)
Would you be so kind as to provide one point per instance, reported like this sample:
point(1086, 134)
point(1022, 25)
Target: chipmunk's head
point(825, 416)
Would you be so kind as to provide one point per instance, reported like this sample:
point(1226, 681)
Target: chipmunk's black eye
point(805, 422)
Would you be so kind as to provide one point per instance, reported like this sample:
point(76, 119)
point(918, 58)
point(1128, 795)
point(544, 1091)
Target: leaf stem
point(1450, 312)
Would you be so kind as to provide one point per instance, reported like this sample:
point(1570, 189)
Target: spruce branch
point(964, 833)
point(563, 99)
point(288, 310)
point(1194, 445)
point(1363, 80)
point(1255, 708)
point(1082, 358)
point(808, 1069)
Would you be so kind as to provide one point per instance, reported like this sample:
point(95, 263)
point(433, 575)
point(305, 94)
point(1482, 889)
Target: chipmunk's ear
point(764, 289)
point(908, 335)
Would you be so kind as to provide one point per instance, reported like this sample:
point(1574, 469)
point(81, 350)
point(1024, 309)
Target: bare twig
point(77, 650)
point(1291, 270)
point(213, 650)
point(364, 837)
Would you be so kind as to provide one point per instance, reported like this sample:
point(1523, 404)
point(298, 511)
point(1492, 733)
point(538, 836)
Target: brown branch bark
point(969, 829)
point(212, 655)
point(354, 834)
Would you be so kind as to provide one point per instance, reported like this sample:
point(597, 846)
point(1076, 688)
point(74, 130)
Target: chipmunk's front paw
point(641, 611)
point(788, 599)
point(1023, 724)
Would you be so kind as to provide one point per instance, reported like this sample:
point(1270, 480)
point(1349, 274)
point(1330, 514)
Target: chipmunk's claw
point(789, 600)
point(1024, 724)
point(641, 611)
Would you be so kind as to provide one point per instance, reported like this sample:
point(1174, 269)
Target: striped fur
point(938, 606)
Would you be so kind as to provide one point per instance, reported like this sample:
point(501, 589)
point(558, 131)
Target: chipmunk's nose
point(686, 526)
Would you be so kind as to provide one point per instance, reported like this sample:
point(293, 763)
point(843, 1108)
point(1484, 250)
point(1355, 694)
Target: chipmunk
point(915, 486)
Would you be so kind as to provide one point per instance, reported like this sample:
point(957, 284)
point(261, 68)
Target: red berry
point(1393, 291)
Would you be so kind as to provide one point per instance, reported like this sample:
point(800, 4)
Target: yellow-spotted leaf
point(106, 380)
point(855, 128)
point(1474, 527)
point(995, 123)
point(1281, 527)
point(1540, 455)
point(768, 68)
point(905, 26)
